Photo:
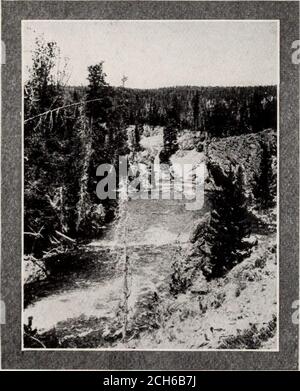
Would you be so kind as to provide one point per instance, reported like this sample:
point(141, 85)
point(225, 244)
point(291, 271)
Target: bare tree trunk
point(126, 294)
point(61, 200)
point(87, 147)
point(126, 262)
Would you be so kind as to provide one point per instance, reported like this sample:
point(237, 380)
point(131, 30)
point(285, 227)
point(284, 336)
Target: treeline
point(218, 111)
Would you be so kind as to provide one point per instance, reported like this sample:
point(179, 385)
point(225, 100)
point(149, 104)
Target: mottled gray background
point(12, 14)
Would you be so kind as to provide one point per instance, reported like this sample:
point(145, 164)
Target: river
point(90, 289)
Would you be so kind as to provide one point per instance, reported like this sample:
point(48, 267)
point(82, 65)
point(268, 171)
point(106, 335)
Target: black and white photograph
point(150, 184)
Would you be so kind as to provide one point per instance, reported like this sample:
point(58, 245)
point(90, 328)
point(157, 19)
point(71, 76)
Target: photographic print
point(150, 184)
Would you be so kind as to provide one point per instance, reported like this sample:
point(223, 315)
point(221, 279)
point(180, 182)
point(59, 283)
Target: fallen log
point(65, 237)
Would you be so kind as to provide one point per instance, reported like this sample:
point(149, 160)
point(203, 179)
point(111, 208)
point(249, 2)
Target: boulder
point(34, 270)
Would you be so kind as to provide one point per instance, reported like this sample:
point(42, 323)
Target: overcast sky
point(164, 53)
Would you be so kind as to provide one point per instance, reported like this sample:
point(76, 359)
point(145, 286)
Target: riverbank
point(81, 306)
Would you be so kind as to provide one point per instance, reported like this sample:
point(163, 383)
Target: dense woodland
point(69, 131)
point(220, 111)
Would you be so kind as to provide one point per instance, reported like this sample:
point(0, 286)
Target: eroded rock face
point(33, 271)
point(244, 150)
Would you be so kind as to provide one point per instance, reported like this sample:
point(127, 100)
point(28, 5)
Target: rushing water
point(90, 287)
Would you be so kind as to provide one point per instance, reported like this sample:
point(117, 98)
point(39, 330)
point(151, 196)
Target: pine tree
point(154, 117)
point(45, 143)
point(196, 110)
point(224, 246)
point(170, 131)
point(97, 89)
point(170, 142)
point(174, 112)
point(137, 137)
point(264, 188)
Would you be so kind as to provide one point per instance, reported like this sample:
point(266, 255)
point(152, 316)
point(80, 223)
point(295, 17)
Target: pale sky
point(164, 53)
